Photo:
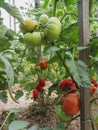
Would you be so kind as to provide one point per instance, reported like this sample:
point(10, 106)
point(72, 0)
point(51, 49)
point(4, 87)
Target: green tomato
point(61, 114)
point(28, 26)
point(55, 21)
point(27, 39)
point(43, 19)
point(53, 29)
point(34, 39)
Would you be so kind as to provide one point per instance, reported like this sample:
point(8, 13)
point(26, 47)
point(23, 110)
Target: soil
point(47, 119)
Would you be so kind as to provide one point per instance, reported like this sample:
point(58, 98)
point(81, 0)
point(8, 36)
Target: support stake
point(83, 18)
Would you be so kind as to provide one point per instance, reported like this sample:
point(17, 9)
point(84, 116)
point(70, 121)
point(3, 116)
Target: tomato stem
point(65, 66)
point(54, 8)
point(94, 100)
point(72, 120)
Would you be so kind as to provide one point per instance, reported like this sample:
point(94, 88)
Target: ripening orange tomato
point(43, 64)
point(71, 104)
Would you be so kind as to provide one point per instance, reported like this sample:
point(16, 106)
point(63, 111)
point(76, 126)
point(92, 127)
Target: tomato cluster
point(38, 88)
point(37, 32)
point(67, 85)
point(70, 101)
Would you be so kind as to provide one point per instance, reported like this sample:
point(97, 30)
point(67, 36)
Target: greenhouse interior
point(48, 64)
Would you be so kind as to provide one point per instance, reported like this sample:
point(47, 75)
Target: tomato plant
point(55, 30)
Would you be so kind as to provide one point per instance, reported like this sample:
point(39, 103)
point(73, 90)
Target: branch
point(93, 100)
point(54, 8)
point(21, 59)
point(68, 14)
point(65, 66)
point(72, 120)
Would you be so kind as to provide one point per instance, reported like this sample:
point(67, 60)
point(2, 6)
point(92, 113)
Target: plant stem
point(5, 121)
point(68, 14)
point(72, 120)
point(93, 127)
point(21, 60)
point(93, 100)
point(65, 66)
point(54, 8)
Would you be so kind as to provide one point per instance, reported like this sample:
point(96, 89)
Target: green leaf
point(10, 34)
point(14, 110)
point(45, 129)
point(60, 126)
point(1, 2)
point(83, 71)
point(9, 119)
point(70, 2)
point(51, 50)
point(29, 86)
point(13, 11)
point(4, 44)
point(3, 30)
point(79, 70)
point(53, 59)
point(3, 81)
point(96, 67)
point(45, 3)
point(10, 74)
point(19, 94)
point(9, 71)
point(34, 127)
point(18, 125)
point(3, 96)
point(82, 48)
point(73, 70)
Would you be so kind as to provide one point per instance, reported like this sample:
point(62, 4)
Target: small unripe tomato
point(28, 25)
point(43, 19)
